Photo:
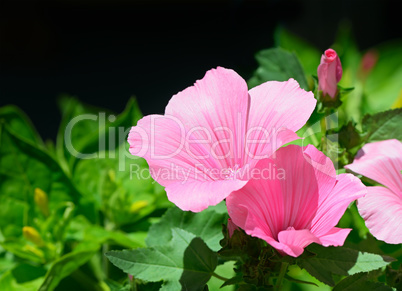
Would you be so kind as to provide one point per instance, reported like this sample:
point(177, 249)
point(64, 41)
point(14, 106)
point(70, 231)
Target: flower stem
point(323, 123)
point(282, 273)
point(133, 285)
point(105, 248)
point(219, 277)
point(310, 133)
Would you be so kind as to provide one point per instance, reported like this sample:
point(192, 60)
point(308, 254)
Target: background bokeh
point(103, 52)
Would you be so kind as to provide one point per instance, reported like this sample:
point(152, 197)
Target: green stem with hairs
point(282, 273)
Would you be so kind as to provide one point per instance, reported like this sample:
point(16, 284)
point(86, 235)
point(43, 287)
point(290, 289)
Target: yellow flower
point(42, 201)
point(32, 235)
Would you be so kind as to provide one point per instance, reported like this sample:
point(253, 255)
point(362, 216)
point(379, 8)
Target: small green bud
point(138, 205)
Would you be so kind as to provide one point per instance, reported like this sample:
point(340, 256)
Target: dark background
point(103, 52)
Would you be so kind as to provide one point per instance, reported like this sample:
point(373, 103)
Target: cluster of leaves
point(181, 250)
point(59, 213)
point(65, 205)
point(182, 253)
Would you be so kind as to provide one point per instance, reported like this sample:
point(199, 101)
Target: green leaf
point(349, 137)
point(186, 261)
point(86, 130)
point(20, 124)
point(225, 270)
point(206, 225)
point(382, 126)
point(96, 236)
point(26, 272)
point(279, 65)
point(63, 267)
point(23, 250)
point(360, 281)
point(340, 261)
point(291, 279)
point(8, 282)
point(91, 236)
point(308, 55)
point(296, 275)
point(237, 278)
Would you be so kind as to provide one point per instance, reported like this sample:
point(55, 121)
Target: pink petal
point(287, 197)
point(161, 141)
point(335, 237)
point(381, 208)
point(329, 56)
point(293, 242)
point(256, 209)
point(217, 106)
point(331, 79)
point(382, 162)
point(347, 189)
point(277, 110)
point(322, 72)
point(324, 170)
point(197, 196)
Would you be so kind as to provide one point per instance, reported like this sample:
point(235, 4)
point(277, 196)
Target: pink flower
point(329, 73)
point(369, 60)
point(381, 208)
point(298, 207)
point(213, 133)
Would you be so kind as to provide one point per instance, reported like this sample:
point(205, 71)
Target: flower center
point(231, 173)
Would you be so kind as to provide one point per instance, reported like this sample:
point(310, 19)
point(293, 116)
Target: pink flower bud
point(231, 227)
point(329, 73)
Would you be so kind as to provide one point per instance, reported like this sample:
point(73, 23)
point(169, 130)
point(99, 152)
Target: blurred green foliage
point(78, 208)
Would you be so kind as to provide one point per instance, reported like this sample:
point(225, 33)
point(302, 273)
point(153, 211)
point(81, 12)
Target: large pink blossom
point(213, 133)
point(329, 73)
point(297, 204)
point(381, 208)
